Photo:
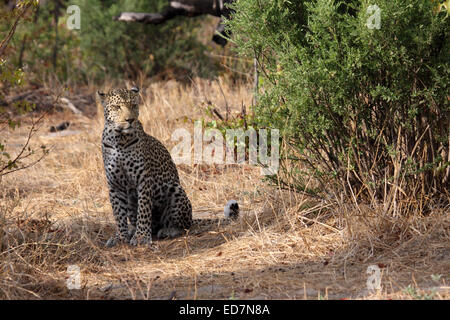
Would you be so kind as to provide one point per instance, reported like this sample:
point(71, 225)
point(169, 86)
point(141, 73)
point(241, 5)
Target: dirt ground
point(55, 217)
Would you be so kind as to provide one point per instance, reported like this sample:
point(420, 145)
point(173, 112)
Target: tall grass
point(286, 245)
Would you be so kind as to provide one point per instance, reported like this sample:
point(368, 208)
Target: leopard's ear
point(135, 89)
point(101, 95)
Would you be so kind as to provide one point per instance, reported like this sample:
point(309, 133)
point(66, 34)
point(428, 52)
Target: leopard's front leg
point(143, 234)
point(119, 203)
point(132, 211)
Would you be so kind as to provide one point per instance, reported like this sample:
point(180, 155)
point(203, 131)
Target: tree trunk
point(55, 20)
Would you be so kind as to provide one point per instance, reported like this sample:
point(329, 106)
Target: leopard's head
point(121, 108)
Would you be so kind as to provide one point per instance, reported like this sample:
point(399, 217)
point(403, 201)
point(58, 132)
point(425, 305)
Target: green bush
point(42, 48)
point(360, 109)
point(128, 49)
point(105, 48)
point(11, 78)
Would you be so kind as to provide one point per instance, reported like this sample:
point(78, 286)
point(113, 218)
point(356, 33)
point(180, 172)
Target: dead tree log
point(189, 8)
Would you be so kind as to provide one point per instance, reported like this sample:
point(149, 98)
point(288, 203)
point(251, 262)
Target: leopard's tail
point(231, 213)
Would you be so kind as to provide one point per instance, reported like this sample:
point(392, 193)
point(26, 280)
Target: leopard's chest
point(123, 167)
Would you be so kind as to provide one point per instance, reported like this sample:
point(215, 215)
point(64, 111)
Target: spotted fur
point(144, 187)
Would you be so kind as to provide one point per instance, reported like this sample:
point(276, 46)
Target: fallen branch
point(22, 96)
point(45, 100)
point(69, 105)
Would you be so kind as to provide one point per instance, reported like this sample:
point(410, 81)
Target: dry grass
point(285, 246)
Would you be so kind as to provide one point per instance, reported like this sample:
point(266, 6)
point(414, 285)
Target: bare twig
point(217, 113)
point(7, 169)
point(227, 107)
point(5, 42)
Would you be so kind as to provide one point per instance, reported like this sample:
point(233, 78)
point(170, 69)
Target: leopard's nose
point(130, 121)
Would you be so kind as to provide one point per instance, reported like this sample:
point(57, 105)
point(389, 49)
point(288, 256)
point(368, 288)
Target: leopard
point(145, 191)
